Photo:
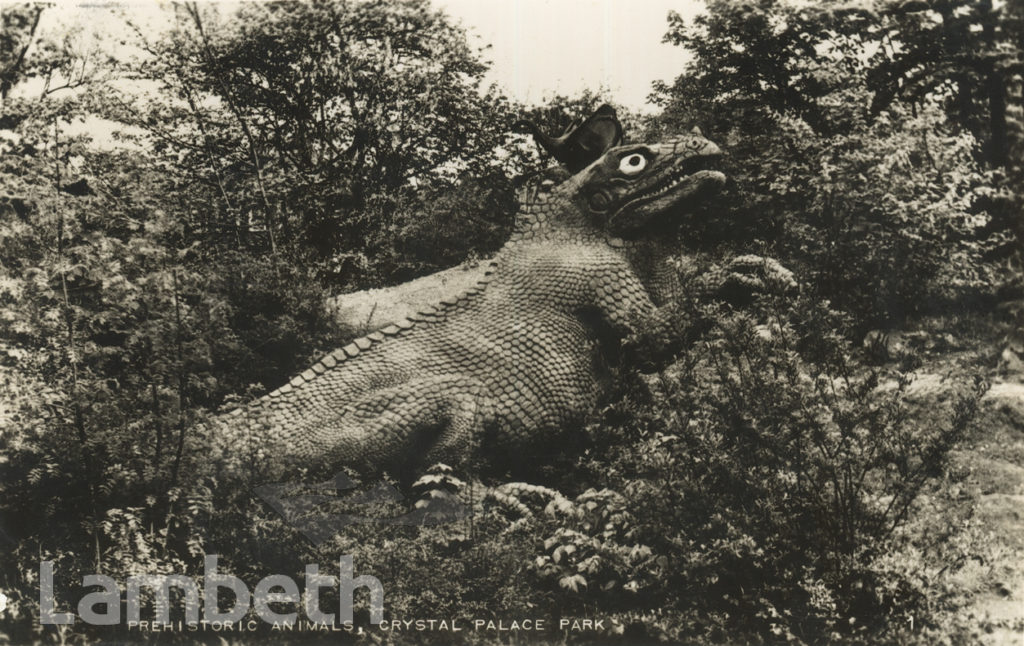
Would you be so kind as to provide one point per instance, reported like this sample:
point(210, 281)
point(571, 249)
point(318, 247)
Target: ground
point(994, 457)
point(987, 470)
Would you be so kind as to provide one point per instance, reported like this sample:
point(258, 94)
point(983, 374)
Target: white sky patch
point(543, 47)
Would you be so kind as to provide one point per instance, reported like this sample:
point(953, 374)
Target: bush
point(887, 227)
point(769, 476)
point(107, 380)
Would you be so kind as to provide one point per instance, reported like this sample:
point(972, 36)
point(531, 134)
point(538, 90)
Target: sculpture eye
point(632, 164)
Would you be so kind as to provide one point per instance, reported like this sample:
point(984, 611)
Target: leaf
point(573, 582)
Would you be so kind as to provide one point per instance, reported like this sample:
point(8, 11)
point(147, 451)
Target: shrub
point(107, 379)
point(769, 475)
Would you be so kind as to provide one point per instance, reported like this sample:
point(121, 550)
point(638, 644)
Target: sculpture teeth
point(662, 189)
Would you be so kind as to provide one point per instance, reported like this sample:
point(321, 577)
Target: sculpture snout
point(691, 146)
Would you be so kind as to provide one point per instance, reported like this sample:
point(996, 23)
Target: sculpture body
point(505, 364)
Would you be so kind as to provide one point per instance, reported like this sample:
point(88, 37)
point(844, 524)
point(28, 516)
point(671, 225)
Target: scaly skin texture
point(505, 365)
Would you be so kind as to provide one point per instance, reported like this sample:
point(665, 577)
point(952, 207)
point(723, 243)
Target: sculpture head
point(629, 186)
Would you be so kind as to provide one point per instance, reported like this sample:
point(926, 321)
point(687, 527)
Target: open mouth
point(694, 178)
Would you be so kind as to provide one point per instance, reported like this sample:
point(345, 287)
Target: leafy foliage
point(883, 203)
point(321, 128)
point(785, 471)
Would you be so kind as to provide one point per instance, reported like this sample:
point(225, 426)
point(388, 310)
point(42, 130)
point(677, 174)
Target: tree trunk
point(998, 146)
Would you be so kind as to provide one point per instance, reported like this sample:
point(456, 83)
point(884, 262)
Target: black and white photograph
point(473, 322)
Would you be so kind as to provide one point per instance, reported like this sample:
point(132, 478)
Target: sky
point(543, 47)
point(537, 47)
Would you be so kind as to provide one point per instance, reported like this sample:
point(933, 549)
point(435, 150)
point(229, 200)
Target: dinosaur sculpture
point(505, 364)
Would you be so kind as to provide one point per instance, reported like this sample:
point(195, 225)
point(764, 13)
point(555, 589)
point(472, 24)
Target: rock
point(893, 345)
point(1010, 363)
point(1003, 407)
point(1011, 360)
point(932, 396)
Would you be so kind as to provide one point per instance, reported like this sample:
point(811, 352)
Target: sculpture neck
point(552, 213)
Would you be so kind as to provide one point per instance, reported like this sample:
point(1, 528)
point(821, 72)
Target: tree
point(967, 51)
point(19, 29)
point(868, 197)
point(303, 115)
